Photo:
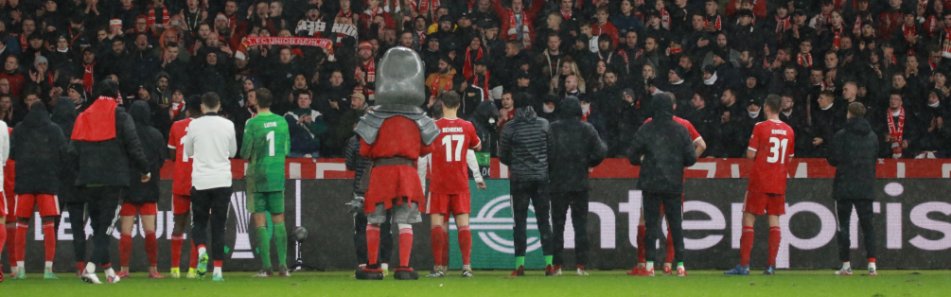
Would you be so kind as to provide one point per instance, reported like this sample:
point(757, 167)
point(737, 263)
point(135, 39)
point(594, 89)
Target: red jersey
point(182, 178)
point(694, 135)
point(450, 172)
point(772, 142)
point(398, 137)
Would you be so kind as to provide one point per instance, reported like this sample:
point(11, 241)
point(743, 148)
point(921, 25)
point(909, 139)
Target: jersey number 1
point(447, 142)
point(270, 143)
point(777, 150)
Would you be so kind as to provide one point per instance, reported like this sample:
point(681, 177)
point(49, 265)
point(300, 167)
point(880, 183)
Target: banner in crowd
point(912, 222)
point(324, 43)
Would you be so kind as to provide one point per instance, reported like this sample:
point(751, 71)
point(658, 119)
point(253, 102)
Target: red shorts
point(48, 205)
point(129, 209)
point(448, 203)
point(765, 203)
point(181, 204)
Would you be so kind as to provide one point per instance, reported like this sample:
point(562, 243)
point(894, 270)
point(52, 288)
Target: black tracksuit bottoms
point(673, 207)
point(77, 225)
point(578, 202)
point(103, 203)
point(843, 209)
point(213, 203)
point(536, 194)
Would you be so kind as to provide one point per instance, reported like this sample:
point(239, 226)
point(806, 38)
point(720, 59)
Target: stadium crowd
point(719, 58)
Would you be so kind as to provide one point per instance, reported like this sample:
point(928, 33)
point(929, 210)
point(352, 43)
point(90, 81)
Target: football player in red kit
point(181, 191)
point(699, 146)
point(771, 148)
point(449, 184)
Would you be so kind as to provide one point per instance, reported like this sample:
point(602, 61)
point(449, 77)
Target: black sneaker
point(369, 273)
point(405, 273)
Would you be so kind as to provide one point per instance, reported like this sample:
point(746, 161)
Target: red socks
point(465, 244)
point(176, 250)
point(49, 240)
point(641, 250)
point(373, 244)
point(193, 256)
point(11, 230)
point(217, 263)
point(746, 245)
point(437, 235)
point(406, 244)
point(21, 240)
point(150, 248)
point(775, 235)
point(125, 249)
point(670, 247)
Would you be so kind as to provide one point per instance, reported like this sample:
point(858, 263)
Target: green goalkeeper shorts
point(272, 202)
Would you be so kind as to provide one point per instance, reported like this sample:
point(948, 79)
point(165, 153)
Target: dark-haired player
point(771, 148)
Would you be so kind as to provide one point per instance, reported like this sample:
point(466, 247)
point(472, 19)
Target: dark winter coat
point(854, 155)
point(577, 147)
point(525, 146)
point(64, 116)
point(107, 163)
point(155, 153)
point(39, 149)
point(666, 149)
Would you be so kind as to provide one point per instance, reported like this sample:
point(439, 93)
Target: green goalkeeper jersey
point(265, 146)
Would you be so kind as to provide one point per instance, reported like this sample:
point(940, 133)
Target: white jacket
point(210, 142)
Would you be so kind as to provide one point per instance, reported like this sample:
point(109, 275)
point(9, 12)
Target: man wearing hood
point(142, 198)
point(577, 146)
point(854, 153)
point(40, 149)
point(525, 146)
point(107, 145)
point(663, 148)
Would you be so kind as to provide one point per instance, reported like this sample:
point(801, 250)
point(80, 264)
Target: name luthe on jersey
point(270, 125)
point(778, 132)
point(452, 130)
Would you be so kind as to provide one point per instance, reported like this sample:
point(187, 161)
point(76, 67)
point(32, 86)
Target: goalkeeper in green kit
point(265, 146)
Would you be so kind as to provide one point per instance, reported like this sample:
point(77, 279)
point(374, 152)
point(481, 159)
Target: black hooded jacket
point(64, 116)
point(525, 146)
point(854, 154)
point(153, 147)
point(576, 145)
point(39, 149)
point(666, 149)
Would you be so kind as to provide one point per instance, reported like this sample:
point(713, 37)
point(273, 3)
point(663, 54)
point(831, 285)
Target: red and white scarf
point(88, 77)
point(482, 83)
point(717, 22)
point(804, 60)
point(896, 130)
point(467, 66)
point(665, 18)
point(428, 7)
point(513, 24)
point(946, 43)
point(369, 70)
point(836, 38)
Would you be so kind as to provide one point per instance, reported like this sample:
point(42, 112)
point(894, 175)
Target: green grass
point(496, 283)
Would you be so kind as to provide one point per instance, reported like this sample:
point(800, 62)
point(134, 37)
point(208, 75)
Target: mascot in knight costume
point(394, 133)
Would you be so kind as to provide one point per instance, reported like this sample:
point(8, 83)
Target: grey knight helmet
point(401, 78)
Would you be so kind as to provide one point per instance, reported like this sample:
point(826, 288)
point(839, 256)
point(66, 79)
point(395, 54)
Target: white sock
point(49, 265)
point(20, 264)
point(871, 266)
point(201, 250)
point(90, 267)
point(217, 270)
point(650, 265)
point(110, 272)
point(846, 265)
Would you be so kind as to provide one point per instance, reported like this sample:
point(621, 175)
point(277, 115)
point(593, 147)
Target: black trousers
point(103, 203)
point(536, 194)
point(578, 202)
point(843, 209)
point(360, 238)
point(77, 224)
point(673, 211)
point(213, 204)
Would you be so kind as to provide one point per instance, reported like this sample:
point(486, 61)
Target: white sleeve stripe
point(751, 148)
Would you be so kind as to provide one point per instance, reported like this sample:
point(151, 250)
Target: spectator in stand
point(306, 127)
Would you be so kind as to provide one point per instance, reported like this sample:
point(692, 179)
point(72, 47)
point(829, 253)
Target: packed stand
point(719, 58)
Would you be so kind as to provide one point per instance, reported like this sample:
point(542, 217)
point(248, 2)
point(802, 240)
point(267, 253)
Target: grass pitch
point(497, 283)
